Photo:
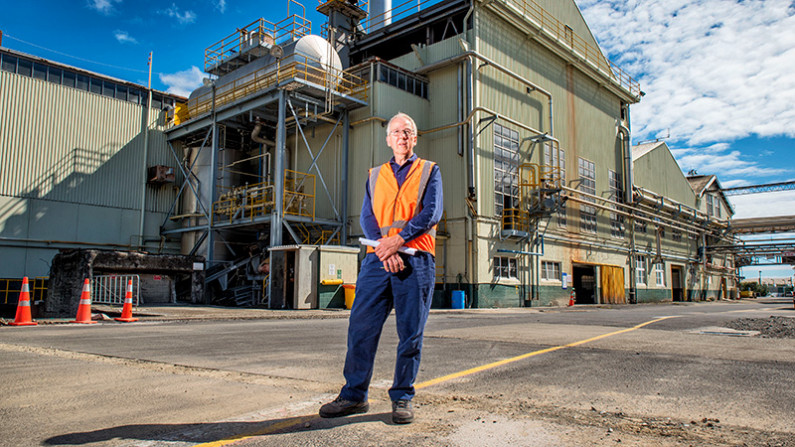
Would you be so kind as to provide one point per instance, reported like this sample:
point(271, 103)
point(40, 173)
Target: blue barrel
point(458, 299)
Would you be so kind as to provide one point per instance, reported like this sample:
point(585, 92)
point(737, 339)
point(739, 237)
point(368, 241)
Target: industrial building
point(261, 171)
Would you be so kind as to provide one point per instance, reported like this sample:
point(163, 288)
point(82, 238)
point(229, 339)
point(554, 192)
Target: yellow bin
point(350, 294)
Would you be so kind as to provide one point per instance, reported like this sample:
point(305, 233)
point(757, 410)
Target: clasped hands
point(387, 252)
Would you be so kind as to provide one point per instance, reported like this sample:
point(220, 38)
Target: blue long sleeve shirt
point(429, 215)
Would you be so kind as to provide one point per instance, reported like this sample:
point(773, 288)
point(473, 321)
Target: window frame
point(507, 264)
point(617, 226)
point(555, 270)
point(506, 167)
point(640, 270)
point(659, 274)
point(588, 222)
point(553, 157)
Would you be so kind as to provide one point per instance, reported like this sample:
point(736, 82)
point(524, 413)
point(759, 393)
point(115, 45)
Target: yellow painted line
point(481, 368)
point(268, 430)
point(303, 419)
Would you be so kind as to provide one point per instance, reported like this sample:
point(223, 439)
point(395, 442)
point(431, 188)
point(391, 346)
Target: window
point(587, 172)
point(25, 67)
point(556, 158)
point(659, 273)
point(640, 269)
point(710, 211)
point(402, 80)
point(505, 268)
point(69, 78)
point(96, 86)
point(121, 92)
point(9, 63)
point(39, 71)
point(550, 270)
point(54, 75)
point(640, 225)
point(506, 162)
point(617, 195)
point(108, 89)
point(82, 82)
point(676, 235)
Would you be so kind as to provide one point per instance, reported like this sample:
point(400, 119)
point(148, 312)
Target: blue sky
point(719, 75)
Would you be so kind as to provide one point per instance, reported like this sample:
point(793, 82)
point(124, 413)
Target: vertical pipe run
point(213, 183)
point(146, 155)
point(346, 125)
point(278, 174)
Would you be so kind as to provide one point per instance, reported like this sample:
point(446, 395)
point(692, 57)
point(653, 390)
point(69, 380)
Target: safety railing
point(565, 35)
point(10, 289)
point(112, 289)
point(515, 219)
point(299, 194)
point(244, 203)
point(254, 34)
point(248, 202)
point(295, 67)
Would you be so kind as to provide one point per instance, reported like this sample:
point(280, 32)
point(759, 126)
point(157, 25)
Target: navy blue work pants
point(377, 292)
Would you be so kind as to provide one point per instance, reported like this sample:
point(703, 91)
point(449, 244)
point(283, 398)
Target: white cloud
point(124, 37)
point(781, 203)
point(221, 5)
point(103, 6)
point(712, 70)
point(183, 82)
point(183, 18)
point(732, 167)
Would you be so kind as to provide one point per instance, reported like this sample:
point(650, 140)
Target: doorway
point(677, 288)
point(584, 284)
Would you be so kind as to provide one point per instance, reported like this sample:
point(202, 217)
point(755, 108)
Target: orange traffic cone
point(126, 312)
point(84, 309)
point(23, 307)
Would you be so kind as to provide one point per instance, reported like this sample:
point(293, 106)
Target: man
point(402, 205)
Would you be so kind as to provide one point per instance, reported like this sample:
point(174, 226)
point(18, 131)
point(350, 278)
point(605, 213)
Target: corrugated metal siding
point(63, 144)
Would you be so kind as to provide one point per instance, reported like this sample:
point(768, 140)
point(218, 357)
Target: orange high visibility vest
point(394, 207)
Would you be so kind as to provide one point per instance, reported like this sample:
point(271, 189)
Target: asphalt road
point(668, 374)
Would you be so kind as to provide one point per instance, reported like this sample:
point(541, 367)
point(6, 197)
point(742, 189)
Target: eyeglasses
point(404, 133)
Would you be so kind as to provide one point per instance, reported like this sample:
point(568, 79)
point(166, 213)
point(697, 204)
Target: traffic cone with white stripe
point(84, 309)
point(23, 307)
point(126, 312)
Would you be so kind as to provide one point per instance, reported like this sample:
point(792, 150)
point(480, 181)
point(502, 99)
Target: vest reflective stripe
point(395, 206)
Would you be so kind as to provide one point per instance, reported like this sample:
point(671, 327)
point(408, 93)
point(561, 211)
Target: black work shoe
point(340, 407)
point(402, 412)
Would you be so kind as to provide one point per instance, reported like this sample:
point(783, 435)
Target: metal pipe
point(278, 173)
point(344, 175)
point(470, 133)
point(623, 132)
point(664, 221)
point(367, 120)
point(255, 135)
point(142, 222)
point(213, 180)
point(618, 248)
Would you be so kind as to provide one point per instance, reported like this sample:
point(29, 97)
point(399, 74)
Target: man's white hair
point(404, 116)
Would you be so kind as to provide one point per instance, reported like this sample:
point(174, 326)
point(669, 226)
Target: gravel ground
point(773, 327)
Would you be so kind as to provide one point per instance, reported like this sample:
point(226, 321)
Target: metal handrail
point(291, 28)
point(272, 75)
